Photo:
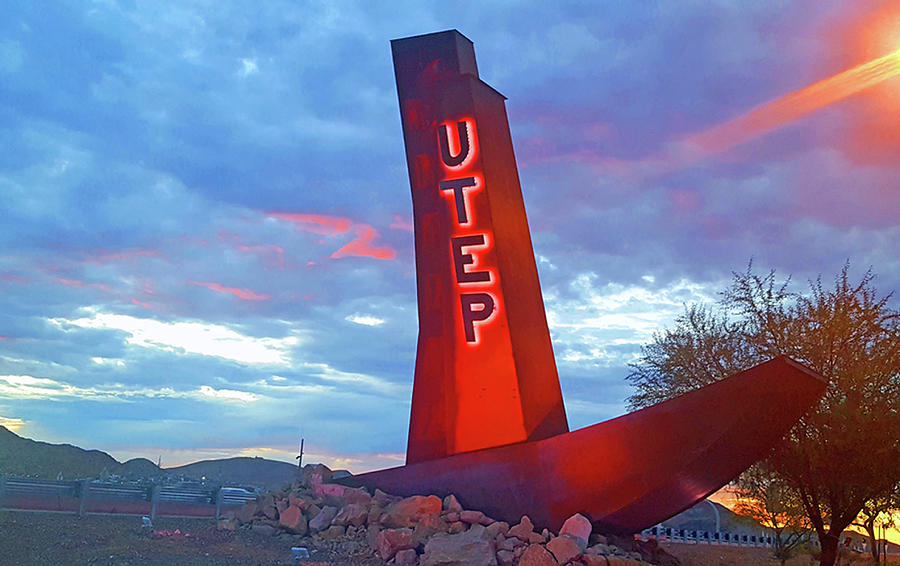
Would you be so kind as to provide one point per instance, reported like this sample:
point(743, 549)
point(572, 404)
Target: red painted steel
point(487, 420)
point(485, 373)
point(627, 473)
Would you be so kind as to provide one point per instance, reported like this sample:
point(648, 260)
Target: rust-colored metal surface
point(627, 473)
point(487, 421)
point(485, 373)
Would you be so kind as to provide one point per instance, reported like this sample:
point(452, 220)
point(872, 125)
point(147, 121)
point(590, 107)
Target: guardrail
point(688, 536)
point(87, 496)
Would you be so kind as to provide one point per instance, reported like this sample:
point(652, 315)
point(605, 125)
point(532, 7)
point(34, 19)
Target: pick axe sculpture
point(488, 422)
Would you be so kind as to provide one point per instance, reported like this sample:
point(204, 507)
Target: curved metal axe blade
point(631, 472)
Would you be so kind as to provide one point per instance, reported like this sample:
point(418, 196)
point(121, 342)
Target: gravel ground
point(713, 555)
point(57, 539)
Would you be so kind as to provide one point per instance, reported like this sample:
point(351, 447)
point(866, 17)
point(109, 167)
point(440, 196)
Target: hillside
point(244, 471)
point(25, 457)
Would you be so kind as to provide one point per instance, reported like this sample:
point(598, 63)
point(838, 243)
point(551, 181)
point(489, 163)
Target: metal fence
point(87, 496)
point(688, 536)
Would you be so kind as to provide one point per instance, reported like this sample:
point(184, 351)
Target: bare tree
point(878, 512)
point(844, 453)
point(768, 499)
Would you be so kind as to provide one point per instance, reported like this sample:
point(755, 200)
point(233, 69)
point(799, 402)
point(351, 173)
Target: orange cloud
point(362, 246)
point(5, 276)
point(143, 304)
point(245, 294)
point(78, 283)
point(104, 256)
point(271, 254)
point(315, 223)
point(4, 338)
point(401, 223)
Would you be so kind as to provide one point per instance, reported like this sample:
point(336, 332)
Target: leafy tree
point(768, 499)
point(879, 512)
point(702, 348)
point(845, 452)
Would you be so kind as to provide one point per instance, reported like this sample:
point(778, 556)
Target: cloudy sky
point(205, 219)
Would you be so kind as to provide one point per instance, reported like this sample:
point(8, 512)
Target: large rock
point(385, 499)
point(564, 549)
point(525, 531)
point(342, 493)
point(497, 529)
point(472, 517)
point(436, 522)
point(314, 474)
point(406, 557)
point(595, 560)
point(579, 528)
point(505, 557)
point(537, 555)
point(357, 495)
point(352, 514)
point(464, 549)
point(389, 541)
point(270, 512)
point(264, 530)
point(451, 504)
point(598, 549)
point(292, 520)
point(408, 511)
point(333, 532)
point(246, 512)
point(374, 515)
point(427, 528)
point(323, 519)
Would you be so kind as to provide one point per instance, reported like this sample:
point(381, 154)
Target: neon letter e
point(461, 260)
point(470, 317)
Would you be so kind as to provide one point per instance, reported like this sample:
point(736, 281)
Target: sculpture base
point(628, 473)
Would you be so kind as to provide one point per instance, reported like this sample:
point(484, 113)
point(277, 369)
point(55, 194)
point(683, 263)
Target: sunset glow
point(798, 103)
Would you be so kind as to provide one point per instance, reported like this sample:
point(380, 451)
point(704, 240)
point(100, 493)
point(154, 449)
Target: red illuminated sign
point(485, 374)
point(462, 182)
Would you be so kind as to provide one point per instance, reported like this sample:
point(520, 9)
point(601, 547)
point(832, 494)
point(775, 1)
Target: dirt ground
point(713, 555)
point(57, 539)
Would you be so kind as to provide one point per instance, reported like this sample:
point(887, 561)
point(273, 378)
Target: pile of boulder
point(421, 530)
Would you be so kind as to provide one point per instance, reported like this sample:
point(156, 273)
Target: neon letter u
point(462, 131)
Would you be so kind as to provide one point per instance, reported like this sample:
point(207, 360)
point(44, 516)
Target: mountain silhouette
point(24, 457)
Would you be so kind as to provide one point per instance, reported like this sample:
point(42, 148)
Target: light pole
point(300, 456)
